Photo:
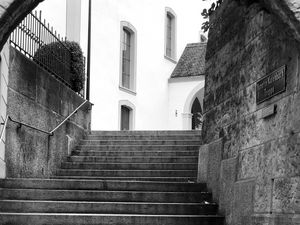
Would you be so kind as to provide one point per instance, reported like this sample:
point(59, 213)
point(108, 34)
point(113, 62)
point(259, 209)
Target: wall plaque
point(271, 85)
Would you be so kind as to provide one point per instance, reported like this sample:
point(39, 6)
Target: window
point(170, 34)
point(126, 115)
point(128, 58)
point(125, 118)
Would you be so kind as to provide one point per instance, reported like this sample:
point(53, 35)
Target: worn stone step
point(111, 196)
point(160, 179)
point(140, 142)
point(146, 132)
point(145, 137)
point(181, 159)
point(127, 173)
point(138, 147)
point(106, 219)
point(118, 185)
point(27, 206)
point(135, 153)
point(130, 166)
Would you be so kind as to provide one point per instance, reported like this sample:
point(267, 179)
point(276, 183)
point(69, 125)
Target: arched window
point(196, 115)
point(126, 115)
point(170, 34)
point(128, 57)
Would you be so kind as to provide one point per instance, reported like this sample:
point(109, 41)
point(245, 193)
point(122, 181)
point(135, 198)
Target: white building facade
point(136, 45)
point(135, 48)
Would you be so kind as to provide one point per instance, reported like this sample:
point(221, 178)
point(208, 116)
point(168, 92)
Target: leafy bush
point(65, 61)
point(206, 13)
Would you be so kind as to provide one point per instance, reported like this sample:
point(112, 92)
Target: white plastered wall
point(182, 93)
point(4, 70)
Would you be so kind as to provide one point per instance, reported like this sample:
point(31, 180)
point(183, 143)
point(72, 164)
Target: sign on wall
point(271, 85)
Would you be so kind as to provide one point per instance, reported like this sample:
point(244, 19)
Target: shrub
point(66, 61)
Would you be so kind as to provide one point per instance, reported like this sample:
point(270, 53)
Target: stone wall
point(253, 163)
point(38, 99)
point(4, 68)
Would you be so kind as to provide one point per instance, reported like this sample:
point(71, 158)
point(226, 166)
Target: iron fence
point(33, 36)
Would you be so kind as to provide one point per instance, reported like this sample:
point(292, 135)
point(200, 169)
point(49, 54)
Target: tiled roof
point(191, 62)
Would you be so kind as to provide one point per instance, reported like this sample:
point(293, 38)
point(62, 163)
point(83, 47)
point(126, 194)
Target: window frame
point(126, 26)
point(170, 14)
point(131, 106)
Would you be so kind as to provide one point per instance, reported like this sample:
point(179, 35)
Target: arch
point(197, 113)
point(130, 106)
point(197, 92)
point(13, 13)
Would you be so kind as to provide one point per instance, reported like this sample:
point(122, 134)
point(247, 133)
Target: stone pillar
point(187, 121)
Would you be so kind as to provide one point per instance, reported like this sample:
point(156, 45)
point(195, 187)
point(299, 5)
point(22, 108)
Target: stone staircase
point(117, 178)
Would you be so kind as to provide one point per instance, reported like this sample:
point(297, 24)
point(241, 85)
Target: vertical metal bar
point(29, 35)
point(23, 37)
point(26, 35)
point(89, 52)
point(39, 32)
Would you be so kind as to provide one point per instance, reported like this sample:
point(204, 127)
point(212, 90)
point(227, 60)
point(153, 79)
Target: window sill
point(127, 90)
point(170, 59)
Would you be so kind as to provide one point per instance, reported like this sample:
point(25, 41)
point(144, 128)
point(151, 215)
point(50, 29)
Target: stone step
point(27, 206)
point(106, 219)
point(144, 137)
point(134, 153)
point(146, 132)
point(160, 179)
point(130, 166)
point(140, 142)
point(138, 147)
point(118, 185)
point(127, 173)
point(181, 159)
point(111, 196)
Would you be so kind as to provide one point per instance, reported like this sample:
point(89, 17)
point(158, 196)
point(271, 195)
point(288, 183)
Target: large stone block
point(249, 162)
point(2, 169)
point(243, 203)
point(276, 219)
point(286, 195)
point(231, 140)
point(227, 181)
point(22, 74)
point(202, 164)
point(278, 158)
point(215, 151)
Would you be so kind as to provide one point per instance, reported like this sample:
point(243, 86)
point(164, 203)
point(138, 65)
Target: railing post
point(89, 53)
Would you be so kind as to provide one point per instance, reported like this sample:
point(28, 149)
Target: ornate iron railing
point(31, 35)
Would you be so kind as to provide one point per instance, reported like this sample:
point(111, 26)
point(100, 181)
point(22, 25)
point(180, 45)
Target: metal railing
point(38, 129)
point(32, 36)
point(62, 122)
point(4, 127)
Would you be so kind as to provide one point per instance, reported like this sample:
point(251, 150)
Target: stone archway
point(12, 12)
point(197, 92)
